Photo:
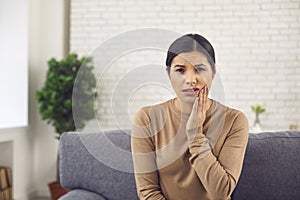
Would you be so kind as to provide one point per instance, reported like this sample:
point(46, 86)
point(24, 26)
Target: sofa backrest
point(271, 167)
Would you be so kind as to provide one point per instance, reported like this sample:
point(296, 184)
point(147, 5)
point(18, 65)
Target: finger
point(197, 93)
point(195, 105)
point(201, 99)
point(205, 96)
point(195, 111)
point(204, 99)
point(207, 91)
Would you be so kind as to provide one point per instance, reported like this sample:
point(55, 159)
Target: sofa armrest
point(80, 195)
point(81, 168)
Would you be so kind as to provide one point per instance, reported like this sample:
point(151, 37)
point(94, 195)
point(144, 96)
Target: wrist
point(194, 134)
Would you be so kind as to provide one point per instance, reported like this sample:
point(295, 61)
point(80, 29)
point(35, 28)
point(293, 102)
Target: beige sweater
point(170, 165)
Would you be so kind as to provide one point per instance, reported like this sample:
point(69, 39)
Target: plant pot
point(56, 190)
point(257, 125)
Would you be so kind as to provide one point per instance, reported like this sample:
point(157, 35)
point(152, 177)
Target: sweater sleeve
point(219, 175)
point(144, 159)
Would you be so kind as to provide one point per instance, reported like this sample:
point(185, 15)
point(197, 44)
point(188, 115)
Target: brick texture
point(257, 44)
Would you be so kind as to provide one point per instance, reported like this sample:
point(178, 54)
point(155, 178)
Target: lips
point(190, 91)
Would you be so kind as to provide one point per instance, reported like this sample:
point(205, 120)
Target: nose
point(191, 78)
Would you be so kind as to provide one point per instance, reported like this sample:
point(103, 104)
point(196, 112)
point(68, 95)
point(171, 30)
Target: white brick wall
point(257, 44)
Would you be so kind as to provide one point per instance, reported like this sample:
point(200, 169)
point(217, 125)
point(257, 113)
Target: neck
point(186, 107)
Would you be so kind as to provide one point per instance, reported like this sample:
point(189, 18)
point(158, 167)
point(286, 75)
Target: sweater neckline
point(186, 115)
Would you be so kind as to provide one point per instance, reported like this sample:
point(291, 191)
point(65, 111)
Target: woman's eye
point(200, 69)
point(181, 70)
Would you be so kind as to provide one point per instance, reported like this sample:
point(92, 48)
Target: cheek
point(206, 78)
point(176, 82)
point(173, 78)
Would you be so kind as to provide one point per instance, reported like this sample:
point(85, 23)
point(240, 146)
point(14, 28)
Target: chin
point(188, 99)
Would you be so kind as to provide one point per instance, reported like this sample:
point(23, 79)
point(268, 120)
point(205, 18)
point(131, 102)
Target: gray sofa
point(271, 168)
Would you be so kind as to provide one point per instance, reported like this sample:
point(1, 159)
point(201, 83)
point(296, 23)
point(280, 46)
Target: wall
point(34, 152)
point(46, 33)
point(15, 143)
point(257, 44)
point(14, 53)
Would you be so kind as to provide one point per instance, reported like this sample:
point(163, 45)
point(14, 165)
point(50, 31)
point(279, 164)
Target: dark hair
point(189, 43)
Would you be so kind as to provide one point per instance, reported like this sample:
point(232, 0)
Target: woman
point(190, 147)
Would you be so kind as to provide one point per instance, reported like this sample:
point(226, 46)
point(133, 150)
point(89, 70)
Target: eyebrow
point(198, 65)
point(179, 65)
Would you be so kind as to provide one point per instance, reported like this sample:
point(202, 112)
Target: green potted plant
point(55, 99)
point(257, 109)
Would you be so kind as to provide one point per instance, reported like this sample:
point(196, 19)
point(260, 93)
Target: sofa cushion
point(271, 168)
point(80, 195)
point(84, 160)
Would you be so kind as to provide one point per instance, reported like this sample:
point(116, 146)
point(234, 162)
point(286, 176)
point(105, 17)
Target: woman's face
point(190, 71)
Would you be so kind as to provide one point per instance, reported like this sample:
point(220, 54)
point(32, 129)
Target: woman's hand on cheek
point(198, 113)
